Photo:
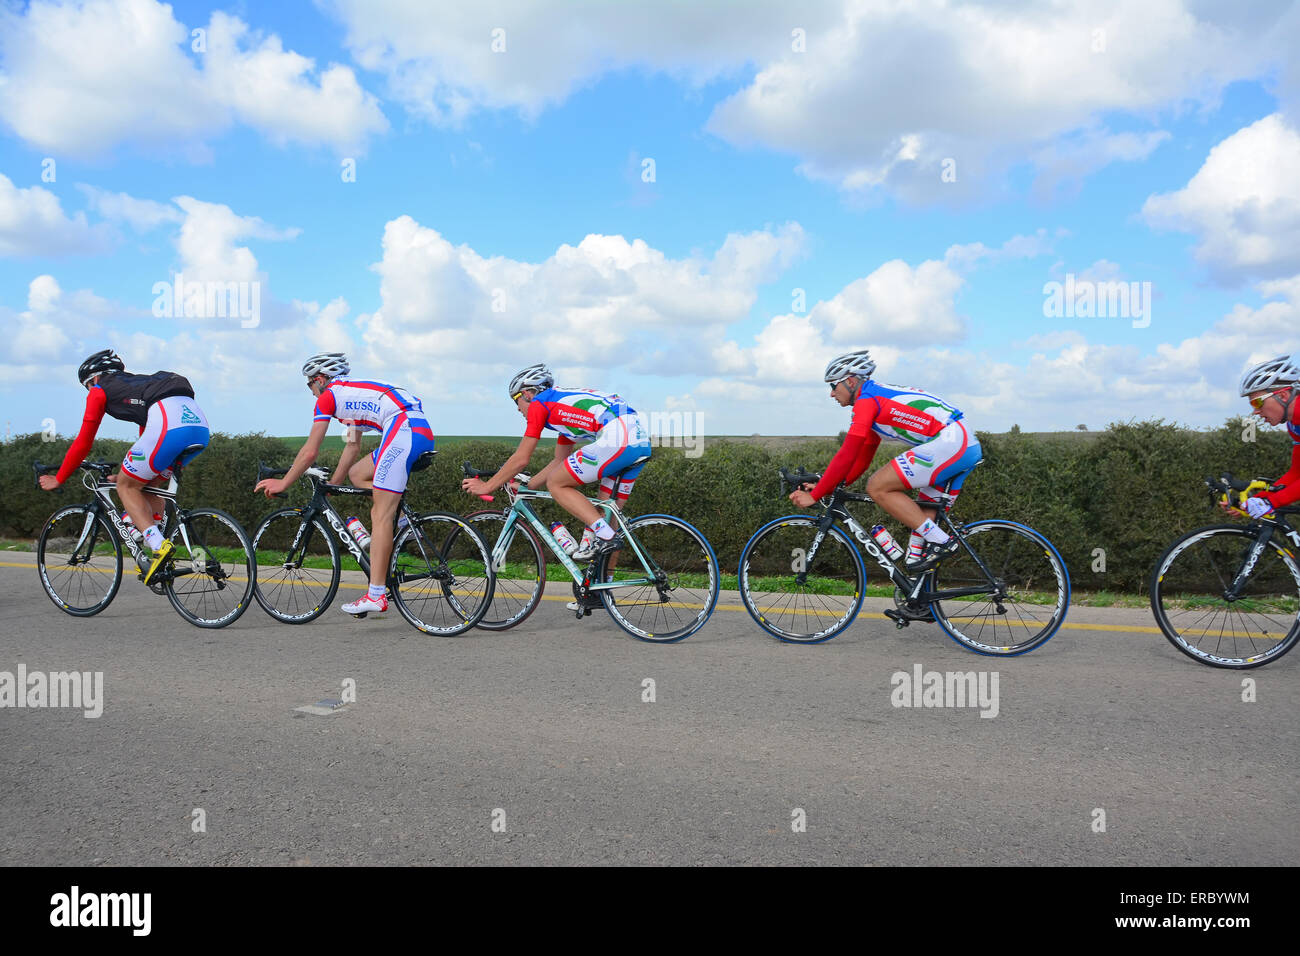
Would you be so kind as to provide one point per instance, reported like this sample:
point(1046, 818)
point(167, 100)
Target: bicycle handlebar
point(40, 468)
point(471, 472)
point(798, 478)
point(265, 471)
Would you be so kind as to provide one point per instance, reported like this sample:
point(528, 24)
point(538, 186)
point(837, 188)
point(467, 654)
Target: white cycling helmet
point(1274, 373)
point(857, 363)
point(332, 364)
point(535, 376)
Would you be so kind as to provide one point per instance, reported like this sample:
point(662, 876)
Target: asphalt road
point(544, 730)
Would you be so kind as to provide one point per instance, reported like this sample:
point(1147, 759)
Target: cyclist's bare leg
point(566, 491)
point(383, 510)
point(139, 505)
point(888, 491)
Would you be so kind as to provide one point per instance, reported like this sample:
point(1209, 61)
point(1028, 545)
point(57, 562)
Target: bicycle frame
point(1267, 527)
point(913, 588)
point(519, 509)
point(102, 504)
point(321, 506)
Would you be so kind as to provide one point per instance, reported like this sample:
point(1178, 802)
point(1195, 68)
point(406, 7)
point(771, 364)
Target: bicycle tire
point(1277, 613)
point(446, 549)
point(782, 607)
point(682, 562)
point(1033, 575)
point(282, 580)
point(57, 579)
point(219, 555)
point(513, 598)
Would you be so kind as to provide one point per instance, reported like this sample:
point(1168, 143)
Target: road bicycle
point(209, 576)
point(1005, 591)
point(1228, 595)
point(661, 586)
point(440, 576)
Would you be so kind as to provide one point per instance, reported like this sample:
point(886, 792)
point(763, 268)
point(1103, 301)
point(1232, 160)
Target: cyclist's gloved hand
point(1258, 507)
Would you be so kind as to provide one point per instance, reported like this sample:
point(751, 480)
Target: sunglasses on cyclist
point(1258, 403)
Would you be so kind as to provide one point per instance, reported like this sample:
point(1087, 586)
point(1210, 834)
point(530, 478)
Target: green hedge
point(1128, 490)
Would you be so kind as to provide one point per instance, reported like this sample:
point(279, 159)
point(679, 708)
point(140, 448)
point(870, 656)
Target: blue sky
point(1152, 143)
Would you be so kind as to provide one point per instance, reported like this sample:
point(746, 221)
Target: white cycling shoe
point(366, 605)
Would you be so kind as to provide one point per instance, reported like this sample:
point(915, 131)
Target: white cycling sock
point(376, 591)
point(153, 537)
point(602, 529)
point(932, 532)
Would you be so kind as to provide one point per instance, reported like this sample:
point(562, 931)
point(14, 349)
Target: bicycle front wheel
point(520, 573)
point(683, 586)
point(795, 599)
point(79, 560)
point(1189, 597)
point(298, 566)
point(1022, 585)
point(211, 576)
point(441, 575)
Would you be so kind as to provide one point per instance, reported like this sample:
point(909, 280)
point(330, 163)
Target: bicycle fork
point(1233, 591)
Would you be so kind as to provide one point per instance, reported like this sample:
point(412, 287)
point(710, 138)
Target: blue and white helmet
point(537, 377)
point(857, 363)
point(1268, 375)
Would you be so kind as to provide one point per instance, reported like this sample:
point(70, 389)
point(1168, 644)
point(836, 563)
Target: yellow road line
point(873, 615)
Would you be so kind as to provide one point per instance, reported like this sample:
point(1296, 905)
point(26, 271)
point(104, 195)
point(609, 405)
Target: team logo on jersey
point(135, 456)
point(189, 418)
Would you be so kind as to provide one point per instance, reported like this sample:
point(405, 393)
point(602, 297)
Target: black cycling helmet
point(97, 364)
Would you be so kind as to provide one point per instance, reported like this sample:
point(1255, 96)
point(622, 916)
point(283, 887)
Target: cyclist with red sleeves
point(1272, 389)
point(942, 449)
point(171, 425)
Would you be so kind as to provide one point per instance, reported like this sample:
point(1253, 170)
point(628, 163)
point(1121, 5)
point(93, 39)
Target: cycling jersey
point(371, 405)
point(576, 414)
point(1291, 493)
point(385, 408)
point(126, 397)
point(615, 455)
point(897, 413)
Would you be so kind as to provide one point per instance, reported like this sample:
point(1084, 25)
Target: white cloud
point(82, 77)
point(32, 223)
point(880, 92)
point(448, 312)
point(1243, 203)
point(207, 237)
point(141, 214)
point(51, 330)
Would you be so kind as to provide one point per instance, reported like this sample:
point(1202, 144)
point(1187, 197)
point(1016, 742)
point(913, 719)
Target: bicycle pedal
point(361, 615)
point(897, 617)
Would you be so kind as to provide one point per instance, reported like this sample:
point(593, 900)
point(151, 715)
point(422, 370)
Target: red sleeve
point(858, 441)
point(537, 415)
point(325, 407)
point(96, 402)
point(1291, 493)
point(863, 461)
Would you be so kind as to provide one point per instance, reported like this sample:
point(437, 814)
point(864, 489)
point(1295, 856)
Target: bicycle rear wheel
point(1026, 589)
point(520, 576)
point(1188, 597)
point(813, 609)
point(211, 575)
point(686, 585)
point(79, 559)
point(298, 566)
point(441, 575)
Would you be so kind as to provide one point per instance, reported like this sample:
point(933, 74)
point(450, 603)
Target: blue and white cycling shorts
point(615, 456)
point(171, 426)
point(405, 439)
point(948, 456)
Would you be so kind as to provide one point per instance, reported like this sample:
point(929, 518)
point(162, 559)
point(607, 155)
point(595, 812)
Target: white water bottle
point(136, 534)
point(359, 533)
point(886, 541)
point(563, 538)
